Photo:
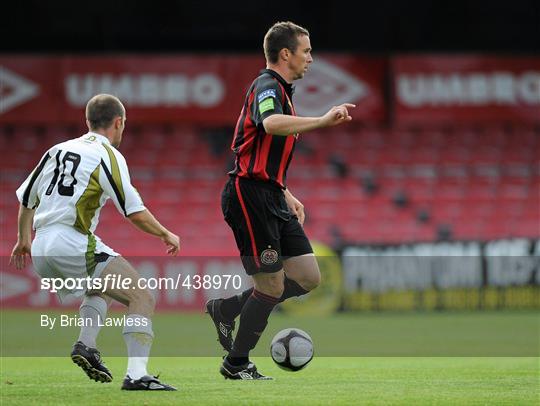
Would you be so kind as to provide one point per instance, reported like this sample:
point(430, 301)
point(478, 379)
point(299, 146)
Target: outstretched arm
point(22, 248)
point(282, 124)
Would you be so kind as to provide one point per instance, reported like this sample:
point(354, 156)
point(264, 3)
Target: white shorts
point(60, 251)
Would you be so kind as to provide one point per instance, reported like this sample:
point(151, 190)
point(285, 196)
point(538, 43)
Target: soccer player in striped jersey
point(61, 199)
point(265, 217)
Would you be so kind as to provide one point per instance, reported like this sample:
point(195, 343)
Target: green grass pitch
point(353, 364)
point(336, 380)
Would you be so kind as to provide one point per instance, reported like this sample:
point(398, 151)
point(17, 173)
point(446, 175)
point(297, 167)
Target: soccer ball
point(292, 349)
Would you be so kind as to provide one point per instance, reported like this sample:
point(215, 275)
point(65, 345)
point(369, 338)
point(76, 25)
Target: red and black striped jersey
point(259, 155)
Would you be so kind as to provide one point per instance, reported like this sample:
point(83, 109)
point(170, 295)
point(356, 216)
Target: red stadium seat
point(483, 183)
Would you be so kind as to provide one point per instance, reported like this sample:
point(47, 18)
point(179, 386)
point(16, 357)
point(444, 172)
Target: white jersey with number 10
point(73, 181)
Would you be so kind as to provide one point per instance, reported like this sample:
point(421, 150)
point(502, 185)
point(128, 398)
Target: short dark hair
point(283, 34)
point(102, 109)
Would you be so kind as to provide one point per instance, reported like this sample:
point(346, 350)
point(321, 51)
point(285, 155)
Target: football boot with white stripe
point(245, 372)
point(146, 382)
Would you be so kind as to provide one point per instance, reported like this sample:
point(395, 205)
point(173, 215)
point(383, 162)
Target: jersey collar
point(289, 87)
point(100, 137)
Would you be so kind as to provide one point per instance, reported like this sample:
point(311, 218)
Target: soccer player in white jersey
point(62, 199)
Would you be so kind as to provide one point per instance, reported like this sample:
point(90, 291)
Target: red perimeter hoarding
point(210, 89)
point(461, 89)
point(190, 88)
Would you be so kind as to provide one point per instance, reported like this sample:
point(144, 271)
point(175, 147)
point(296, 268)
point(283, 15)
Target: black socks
point(254, 308)
point(231, 307)
point(253, 321)
point(291, 288)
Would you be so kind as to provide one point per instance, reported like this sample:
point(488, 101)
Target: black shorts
point(265, 230)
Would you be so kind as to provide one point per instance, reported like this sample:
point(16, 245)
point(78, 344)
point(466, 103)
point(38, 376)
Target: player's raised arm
point(282, 124)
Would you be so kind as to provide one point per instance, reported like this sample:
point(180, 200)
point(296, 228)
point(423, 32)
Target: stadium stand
point(359, 184)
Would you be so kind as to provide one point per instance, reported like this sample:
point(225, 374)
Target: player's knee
point(272, 286)
point(275, 290)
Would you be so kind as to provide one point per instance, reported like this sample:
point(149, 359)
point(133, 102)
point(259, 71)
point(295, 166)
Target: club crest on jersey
point(269, 257)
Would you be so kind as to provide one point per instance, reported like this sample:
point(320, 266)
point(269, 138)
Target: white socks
point(138, 336)
point(137, 333)
point(93, 311)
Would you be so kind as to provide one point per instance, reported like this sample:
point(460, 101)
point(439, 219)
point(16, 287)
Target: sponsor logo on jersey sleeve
point(266, 100)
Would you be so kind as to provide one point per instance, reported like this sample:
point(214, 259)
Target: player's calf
point(310, 281)
point(303, 274)
point(139, 301)
point(142, 302)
